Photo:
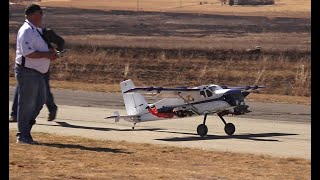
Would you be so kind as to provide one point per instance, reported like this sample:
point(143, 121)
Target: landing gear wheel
point(229, 128)
point(134, 124)
point(202, 130)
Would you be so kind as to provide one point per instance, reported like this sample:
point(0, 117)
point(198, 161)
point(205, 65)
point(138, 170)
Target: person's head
point(33, 13)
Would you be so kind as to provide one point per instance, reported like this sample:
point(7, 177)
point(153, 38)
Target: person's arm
point(36, 54)
point(28, 50)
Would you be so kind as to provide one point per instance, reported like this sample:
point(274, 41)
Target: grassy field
point(281, 76)
point(78, 158)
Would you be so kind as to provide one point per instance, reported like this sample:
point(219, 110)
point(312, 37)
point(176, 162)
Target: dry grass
point(281, 75)
point(282, 8)
point(268, 41)
point(79, 158)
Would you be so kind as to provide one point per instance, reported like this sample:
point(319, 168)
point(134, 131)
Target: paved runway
point(266, 111)
point(282, 137)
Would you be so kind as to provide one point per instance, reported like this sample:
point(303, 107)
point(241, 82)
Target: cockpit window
point(213, 88)
point(202, 94)
point(209, 93)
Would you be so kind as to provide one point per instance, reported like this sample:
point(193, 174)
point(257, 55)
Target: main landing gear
point(229, 128)
point(202, 129)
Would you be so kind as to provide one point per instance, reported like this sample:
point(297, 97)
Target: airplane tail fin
point(134, 102)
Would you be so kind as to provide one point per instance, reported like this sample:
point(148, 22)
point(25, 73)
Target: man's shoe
point(26, 141)
point(12, 119)
point(52, 115)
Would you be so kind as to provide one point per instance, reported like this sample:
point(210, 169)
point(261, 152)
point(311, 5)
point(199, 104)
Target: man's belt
point(22, 66)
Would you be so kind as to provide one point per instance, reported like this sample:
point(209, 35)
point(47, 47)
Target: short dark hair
point(32, 8)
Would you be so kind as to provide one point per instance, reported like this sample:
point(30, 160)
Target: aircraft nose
point(234, 97)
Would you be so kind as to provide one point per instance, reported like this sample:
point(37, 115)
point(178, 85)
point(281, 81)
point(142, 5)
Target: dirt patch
point(79, 158)
point(296, 8)
point(73, 21)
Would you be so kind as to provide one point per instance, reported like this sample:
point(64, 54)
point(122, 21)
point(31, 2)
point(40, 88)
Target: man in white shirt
point(51, 38)
point(32, 62)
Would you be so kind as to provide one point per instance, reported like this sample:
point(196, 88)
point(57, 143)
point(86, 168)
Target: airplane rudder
point(126, 85)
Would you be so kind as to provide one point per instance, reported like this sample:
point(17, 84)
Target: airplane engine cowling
point(234, 97)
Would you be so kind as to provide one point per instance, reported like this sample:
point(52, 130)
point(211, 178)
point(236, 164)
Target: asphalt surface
point(272, 130)
point(259, 110)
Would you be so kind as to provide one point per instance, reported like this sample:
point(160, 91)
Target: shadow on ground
point(81, 147)
point(254, 137)
point(192, 137)
point(65, 124)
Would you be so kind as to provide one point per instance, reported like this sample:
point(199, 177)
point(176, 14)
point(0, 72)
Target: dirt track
point(266, 111)
point(274, 129)
point(71, 21)
point(275, 138)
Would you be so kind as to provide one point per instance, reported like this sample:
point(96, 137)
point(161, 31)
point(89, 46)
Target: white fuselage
point(206, 99)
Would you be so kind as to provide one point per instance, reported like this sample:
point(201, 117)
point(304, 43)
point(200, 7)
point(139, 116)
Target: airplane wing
point(246, 88)
point(152, 89)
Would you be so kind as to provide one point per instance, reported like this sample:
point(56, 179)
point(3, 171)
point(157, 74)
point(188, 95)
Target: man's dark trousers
point(31, 98)
point(52, 107)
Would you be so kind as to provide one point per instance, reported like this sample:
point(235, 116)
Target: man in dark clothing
point(52, 39)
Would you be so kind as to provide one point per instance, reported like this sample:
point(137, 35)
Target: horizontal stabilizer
point(117, 117)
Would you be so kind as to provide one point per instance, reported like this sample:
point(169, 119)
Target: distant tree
point(231, 2)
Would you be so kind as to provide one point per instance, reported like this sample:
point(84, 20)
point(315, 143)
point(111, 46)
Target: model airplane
point(201, 100)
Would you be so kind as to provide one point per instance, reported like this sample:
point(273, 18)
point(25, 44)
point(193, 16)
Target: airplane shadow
point(65, 124)
point(254, 137)
point(77, 146)
point(192, 137)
